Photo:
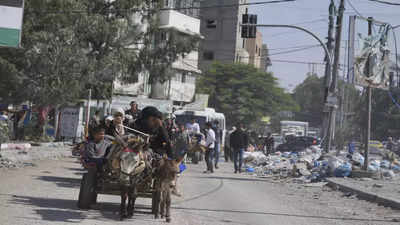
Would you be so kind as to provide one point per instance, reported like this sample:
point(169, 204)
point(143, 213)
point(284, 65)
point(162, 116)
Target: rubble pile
point(5, 163)
point(312, 166)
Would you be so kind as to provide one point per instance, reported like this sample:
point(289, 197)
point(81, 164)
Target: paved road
point(47, 194)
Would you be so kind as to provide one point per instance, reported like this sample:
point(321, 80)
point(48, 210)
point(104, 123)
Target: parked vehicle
point(297, 144)
point(295, 128)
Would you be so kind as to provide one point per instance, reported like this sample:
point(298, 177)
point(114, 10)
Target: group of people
point(165, 138)
point(15, 120)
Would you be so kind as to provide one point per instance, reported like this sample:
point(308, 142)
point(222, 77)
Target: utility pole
point(335, 72)
point(328, 69)
point(344, 88)
point(88, 114)
point(369, 97)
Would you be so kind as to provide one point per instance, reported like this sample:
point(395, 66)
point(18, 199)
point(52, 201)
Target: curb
point(365, 195)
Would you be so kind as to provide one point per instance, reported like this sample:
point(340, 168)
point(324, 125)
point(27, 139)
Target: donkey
point(129, 159)
point(164, 177)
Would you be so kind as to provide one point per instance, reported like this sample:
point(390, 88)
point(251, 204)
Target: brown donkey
point(164, 177)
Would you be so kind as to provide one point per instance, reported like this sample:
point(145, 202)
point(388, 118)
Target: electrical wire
point(385, 2)
point(354, 8)
point(295, 50)
point(164, 9)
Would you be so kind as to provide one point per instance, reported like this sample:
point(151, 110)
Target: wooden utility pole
point(369, 97)
point(328, 69)
point(335, 73)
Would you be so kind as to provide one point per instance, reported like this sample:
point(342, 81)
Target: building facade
point(220, 27)
point(254, 48)
point(265, 60)
point(183, 17)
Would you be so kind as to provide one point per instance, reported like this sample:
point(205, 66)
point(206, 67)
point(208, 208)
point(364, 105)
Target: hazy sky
point(313, 15)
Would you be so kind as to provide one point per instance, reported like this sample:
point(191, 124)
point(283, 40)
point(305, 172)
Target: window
point(208, 55)
point(166, 3)
point(244, 43)
point(247, 10)
point(211, 23)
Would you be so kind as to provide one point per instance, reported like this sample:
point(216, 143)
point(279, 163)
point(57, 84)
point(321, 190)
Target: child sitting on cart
point(96, 148)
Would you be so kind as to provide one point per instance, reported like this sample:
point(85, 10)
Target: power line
point(296, 62)
point(170, 8)
point(295, 50)
point(354, 8)
point(293, 47)
point(385, 2)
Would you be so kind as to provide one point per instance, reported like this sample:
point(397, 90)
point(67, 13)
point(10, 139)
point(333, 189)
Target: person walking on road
point(390, 144)
point(269, 144)
point(210, 144)
point(218, 141)
point(228, 152)
point(238, 142)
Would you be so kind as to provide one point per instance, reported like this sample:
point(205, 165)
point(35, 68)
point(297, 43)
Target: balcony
point(179, 21)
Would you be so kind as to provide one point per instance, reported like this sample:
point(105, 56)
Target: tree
point(309, 96)
point(70, 46)
point(243, 93)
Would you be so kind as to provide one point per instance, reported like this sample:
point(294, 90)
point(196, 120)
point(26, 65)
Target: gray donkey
point(164, 177)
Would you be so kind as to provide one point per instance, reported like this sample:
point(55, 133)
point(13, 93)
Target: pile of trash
point(312, 166)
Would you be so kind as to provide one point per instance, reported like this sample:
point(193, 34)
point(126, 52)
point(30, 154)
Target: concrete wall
point(179, 21)
point(254, 48)
point(265, 61)
point(224, 40)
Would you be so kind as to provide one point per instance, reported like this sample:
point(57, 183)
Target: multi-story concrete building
point(183, 17)
point(254, 48)
point(221, 29)
point(265, 60)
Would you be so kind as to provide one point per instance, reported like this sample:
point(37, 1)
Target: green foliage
point(309, 96)
point(70, 46)
point(385, 117)
point(243, 93)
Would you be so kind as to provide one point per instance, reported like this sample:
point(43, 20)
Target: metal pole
point(88, 114)
point(369, 108)
point(297, 28)
point(335, 71)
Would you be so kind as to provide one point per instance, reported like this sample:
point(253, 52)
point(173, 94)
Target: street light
point(297, 28)
point(249, 25)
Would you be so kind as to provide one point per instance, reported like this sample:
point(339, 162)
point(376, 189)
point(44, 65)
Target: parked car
point(297, 144)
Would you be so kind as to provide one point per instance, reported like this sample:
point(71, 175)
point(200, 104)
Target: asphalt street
point(47, 194)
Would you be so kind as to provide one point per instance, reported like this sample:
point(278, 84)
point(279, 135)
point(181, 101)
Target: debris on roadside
point(311, 165)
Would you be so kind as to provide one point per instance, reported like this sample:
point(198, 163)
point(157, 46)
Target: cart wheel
point(87, 193)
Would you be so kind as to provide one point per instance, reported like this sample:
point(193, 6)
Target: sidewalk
point(15, 158)
point(383, 192)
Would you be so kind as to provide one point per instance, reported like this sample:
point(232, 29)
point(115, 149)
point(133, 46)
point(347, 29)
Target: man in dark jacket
point(151, 123)
point(238, 142)
point(269, 143)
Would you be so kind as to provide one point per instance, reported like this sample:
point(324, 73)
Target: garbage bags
point(343, 170)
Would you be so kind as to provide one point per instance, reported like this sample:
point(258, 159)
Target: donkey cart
point(123, 167)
